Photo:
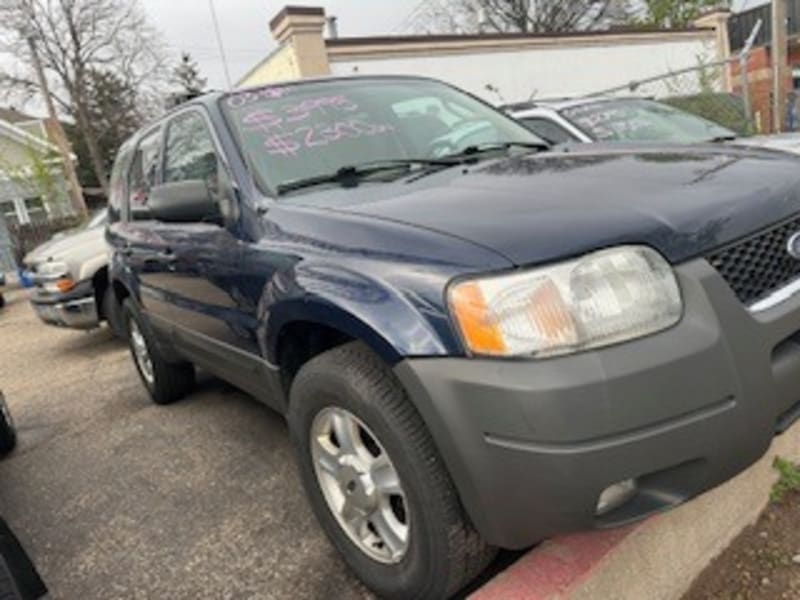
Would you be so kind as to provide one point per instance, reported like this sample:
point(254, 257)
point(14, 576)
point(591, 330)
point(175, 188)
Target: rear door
point(133, 233)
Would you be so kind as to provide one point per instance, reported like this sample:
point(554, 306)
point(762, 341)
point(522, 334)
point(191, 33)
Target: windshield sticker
point(291, 143)
point(240, 99)
point(288, 130)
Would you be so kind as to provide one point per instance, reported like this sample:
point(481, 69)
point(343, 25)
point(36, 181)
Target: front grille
point(758, 265)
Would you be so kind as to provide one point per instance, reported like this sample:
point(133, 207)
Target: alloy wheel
point(360, 484)
point(141, 353)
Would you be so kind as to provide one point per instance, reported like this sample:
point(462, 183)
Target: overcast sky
point(245, 27)
point(245, 31)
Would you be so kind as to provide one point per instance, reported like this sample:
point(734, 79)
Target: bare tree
point(517, 16)
point(74, 39)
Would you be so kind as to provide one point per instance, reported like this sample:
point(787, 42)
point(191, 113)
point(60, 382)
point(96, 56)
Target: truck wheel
point(8, 435)
point(2, 300)
point(376, 481)
point(110, 310)
point(165, 381)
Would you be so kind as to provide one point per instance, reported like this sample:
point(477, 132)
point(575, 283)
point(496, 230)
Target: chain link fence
point(708, 90)
point(736, 93)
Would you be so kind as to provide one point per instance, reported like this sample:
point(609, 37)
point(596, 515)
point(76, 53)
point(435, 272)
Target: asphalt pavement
point(115, 497)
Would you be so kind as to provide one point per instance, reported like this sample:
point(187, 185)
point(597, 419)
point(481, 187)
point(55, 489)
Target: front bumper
point(76, 309)
point(531, 444)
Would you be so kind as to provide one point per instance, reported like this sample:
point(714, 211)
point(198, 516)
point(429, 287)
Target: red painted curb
point(554, 568)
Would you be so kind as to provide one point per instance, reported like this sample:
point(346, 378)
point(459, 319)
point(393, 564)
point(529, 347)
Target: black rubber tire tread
point(8, 435)
point(173, 380)
point(112, 313)
point(464, 554)
point(8, 587)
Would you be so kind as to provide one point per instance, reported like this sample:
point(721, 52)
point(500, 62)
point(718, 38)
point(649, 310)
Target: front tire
point(112, 313)
point(165, 381)
point(8, 434)
point(376, 481)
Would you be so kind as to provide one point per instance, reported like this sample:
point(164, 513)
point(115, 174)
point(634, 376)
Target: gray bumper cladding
point(532, 444)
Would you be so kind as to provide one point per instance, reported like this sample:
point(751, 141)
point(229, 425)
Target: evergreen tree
point(114, 112)
point(187, 77)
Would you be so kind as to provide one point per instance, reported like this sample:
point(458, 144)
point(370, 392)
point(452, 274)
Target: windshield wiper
point(477, 149)
point(723, 138)
point(350, 176)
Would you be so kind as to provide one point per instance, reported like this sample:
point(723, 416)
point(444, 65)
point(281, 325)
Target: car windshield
point(633, 120)
point(299, 131)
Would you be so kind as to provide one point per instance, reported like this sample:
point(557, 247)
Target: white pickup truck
point(70, 273)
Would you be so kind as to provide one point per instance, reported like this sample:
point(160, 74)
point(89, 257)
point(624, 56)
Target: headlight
point(52, 269)
point(599, 299)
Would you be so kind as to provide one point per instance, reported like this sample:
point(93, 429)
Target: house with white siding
point(33, 188)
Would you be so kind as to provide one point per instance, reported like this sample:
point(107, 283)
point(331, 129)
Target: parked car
point(2, 283)
point(477, 343)
point(8, 434)
point(70, 273)
point(590, 120)
point(18, 577)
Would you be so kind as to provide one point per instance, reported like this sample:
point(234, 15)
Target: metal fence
point(730, 92)
point(25, 237)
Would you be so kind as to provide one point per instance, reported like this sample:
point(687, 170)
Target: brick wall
point(759, 75)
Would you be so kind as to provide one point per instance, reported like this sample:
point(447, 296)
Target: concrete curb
point(656, 559)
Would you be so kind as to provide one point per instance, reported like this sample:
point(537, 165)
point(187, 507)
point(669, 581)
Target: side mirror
point(182, 202)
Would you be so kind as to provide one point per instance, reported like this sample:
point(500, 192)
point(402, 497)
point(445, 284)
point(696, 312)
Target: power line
point(219, 43)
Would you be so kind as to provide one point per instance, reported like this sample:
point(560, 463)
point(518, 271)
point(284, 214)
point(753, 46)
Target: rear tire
point(165, 381)
point(8, 434)
point(439, 550)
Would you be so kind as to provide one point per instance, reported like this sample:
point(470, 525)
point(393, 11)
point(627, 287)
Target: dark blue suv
point(477, 342)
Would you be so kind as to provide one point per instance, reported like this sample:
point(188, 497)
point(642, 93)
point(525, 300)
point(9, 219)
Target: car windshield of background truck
point(629, 120)
point(290, 133)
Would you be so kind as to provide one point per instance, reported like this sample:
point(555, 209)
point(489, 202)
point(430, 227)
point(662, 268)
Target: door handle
point(166, 255)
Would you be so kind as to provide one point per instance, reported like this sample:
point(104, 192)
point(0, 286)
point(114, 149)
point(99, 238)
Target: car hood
point(786, 142)
point(543, 207)
point(73, 247)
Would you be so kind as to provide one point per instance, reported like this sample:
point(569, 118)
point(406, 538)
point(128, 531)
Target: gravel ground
point(115, 497)
point(762, 563)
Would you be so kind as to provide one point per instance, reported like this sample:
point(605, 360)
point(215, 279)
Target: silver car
point(632, 120)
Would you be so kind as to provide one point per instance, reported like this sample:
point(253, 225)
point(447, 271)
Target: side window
point(189, 152)
point(548, 130)
point(116, 197)
point(143, 173)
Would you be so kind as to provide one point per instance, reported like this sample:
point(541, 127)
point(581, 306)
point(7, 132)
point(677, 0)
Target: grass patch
point(789, 480)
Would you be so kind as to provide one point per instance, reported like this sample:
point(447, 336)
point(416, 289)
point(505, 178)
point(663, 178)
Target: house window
point(796, 77)
point(8, 211)
point(37, 213)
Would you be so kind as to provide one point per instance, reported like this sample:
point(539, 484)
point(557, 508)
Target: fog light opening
point(615, 496)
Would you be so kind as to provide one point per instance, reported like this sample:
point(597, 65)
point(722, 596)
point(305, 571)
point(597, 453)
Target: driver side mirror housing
point(187, 201)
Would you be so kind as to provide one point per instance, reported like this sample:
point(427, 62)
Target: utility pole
point(75, 192)
point(780, 43)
